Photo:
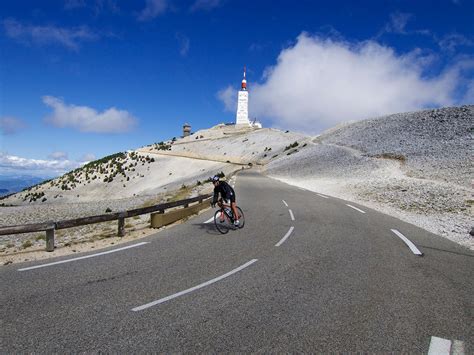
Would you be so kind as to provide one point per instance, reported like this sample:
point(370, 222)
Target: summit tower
point(242, 116)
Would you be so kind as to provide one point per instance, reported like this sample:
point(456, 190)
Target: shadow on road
point(208, 227)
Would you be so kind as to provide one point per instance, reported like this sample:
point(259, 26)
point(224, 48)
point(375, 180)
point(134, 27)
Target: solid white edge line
point(412, 246)
point(285, 237)
point(284, 202)
point(207, 283)
point(322, 196)
point(439, 346)
point(357, 209)
point(291, 215)
point(83, 257)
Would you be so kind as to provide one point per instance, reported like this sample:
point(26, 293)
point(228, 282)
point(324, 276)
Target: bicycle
point(224, 218)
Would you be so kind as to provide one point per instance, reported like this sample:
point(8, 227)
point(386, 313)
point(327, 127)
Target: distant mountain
point(12, 184)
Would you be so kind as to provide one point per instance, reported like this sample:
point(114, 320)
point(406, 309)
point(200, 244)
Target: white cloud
point(398, 22)
point(318, 82)
point(450, 41)
point(153, 8)
point(86, 119)
point(58, 156)
point(88, 157)
point(184, 44)
point(11, 125)
point(206, 5)
point(228, 96)
point(12, 163)
point(45, 35)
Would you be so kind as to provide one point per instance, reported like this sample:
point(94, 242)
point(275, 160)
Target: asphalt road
point(341, 281)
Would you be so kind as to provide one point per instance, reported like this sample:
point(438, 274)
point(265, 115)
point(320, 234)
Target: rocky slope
point(417, 166)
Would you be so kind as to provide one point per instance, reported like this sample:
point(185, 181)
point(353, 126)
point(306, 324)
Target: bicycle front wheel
point(241, 217)
point(222, 225)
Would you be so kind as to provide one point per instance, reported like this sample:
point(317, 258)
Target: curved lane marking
point(357, 209)
point(284, 202)
point(439, 346)
point(83, 257)
point(291, 215)
point(285, 237)
point(412, 246)
point(207, 283)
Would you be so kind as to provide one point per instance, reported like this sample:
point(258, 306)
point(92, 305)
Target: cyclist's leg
point(221, 216)
point(233, 205)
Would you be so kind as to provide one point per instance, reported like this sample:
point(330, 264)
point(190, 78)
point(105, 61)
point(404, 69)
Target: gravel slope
point(416, 166)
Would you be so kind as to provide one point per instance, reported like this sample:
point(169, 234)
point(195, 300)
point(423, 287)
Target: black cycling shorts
point(230, 198)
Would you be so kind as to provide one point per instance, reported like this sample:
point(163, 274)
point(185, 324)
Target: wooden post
point(121, 225)
point(50, 237)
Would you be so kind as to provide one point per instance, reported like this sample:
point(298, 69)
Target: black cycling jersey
point(226, 191)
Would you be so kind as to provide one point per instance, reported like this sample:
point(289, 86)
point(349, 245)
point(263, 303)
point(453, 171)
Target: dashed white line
point(83, 257)
point(291, 215)
point(207, 283)
point(322, 196)
point(357, 209)
point(412, 246)
point(212, 218)
point(457, 348)
point(285, 237)
point(439, 346)
point(284, 202)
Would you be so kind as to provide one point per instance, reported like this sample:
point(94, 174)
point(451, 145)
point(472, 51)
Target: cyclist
point(227, 194)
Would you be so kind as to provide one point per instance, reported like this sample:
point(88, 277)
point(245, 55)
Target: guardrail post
point(50, 237)
point(121, 225)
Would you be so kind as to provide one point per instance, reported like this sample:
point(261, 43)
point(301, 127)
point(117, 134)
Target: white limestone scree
point(242, 116)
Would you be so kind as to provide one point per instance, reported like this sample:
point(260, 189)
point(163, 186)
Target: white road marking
point(457, 348)
point(83, 257)
point(285, 237)
point(291, 215)
point(207, 283)
point(212, 218)
point(284, 202)
point(412, 246)
point(322, 196)
point(439, 346)
point(357, 209)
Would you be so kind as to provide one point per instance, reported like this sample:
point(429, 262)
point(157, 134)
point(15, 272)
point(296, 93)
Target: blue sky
point(87, 78)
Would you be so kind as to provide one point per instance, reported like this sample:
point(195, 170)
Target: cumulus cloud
point(86, 119)
point(319, 82)
point(153, 8)
point(228, 96)
point(12, 163)
point(11, 125)
point(206, 5)
point(46, 35)
point(58, 156)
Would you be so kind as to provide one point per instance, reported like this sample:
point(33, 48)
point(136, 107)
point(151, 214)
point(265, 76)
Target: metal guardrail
point(51, 226)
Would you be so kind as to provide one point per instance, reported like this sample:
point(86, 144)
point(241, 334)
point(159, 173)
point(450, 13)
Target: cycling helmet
point(215, 178)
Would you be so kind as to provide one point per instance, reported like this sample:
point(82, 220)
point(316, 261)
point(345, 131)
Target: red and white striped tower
point(242, 116)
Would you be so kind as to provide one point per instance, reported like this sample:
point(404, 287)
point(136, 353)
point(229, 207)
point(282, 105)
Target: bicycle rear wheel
point(241, 218)
point(224, 226)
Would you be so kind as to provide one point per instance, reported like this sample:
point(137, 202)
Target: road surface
point(308, 273)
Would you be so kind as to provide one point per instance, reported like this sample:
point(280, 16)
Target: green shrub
point(27, 244)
